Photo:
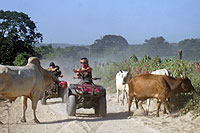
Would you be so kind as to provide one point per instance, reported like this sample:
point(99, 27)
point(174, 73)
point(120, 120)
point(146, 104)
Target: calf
point(120, 76)
point(147, 86)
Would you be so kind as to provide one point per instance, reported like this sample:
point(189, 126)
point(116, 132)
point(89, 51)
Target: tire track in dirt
point(54, 119)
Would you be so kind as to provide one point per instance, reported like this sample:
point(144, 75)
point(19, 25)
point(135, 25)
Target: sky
point(84, 21)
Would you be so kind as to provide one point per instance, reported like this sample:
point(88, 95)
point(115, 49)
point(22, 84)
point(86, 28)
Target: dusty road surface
point(54, 120)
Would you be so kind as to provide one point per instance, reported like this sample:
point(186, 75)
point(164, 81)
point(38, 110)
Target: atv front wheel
point(96, 110)
point(102, 107)
point(71, 105)
point(64, 95)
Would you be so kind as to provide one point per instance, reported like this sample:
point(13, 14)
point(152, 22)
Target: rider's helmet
point(52, 64)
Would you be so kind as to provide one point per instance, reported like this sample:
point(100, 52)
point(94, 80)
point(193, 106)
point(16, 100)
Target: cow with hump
point(161, 87)
point(27, 81)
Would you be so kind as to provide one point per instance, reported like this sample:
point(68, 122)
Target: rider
point(55, 68)
point(58, 73)
point(51, 67)
point(85, 71)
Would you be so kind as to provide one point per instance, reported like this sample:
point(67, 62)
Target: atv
point(86, 95)
point(56, 92)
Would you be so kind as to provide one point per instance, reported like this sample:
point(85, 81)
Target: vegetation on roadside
point(182, 102)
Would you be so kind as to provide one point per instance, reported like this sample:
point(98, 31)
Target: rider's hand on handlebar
point(75, 70)
point(76, 77)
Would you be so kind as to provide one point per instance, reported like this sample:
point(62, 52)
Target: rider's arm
point(88, 69)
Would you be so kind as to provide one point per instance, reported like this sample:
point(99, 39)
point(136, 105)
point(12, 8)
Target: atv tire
point(71, 105)
point(64, 96)
point(96, 111)
point(102, 109)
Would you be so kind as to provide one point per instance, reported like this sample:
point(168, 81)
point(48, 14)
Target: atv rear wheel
point(102, 107)
point(71, 105)
point(64, 95)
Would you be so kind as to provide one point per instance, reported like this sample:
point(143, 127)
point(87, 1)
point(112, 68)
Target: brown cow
point(146, 86)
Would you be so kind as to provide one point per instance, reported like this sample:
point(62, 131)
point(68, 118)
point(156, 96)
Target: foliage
point(113, 48)
point(18, 26)
point(110, 41)
point(21, 59)
point(17, 35)
point(190, 48)
point(156, 46)
point(185, 102)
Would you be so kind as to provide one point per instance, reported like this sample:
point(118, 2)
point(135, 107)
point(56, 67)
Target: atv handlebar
point(96, 78)
point(91, 78)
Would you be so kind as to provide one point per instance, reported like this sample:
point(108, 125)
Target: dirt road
point(54, 120)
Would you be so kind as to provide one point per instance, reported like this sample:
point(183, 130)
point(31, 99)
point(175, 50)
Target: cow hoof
point(23, 120)
point(36, 121)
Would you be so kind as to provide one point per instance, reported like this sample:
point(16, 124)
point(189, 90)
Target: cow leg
point(34, 105)
point(136, 103)
point(166, 105)
point(126, 96)
point(123, 97)
point(117, 95)
point(140, 105)
point(35, 98)
point(164, 111)
point(129, 104)
point(148, 104)
point(24, 107)
point(158, 108)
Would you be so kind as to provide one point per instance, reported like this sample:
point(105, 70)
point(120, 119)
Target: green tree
point(21, 59)
point(110, 41)
point(18, 34)
point(44, 51)
point(190, 48)
point(157, 46)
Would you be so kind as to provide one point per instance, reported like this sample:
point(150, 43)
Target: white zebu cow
point(162, 72)
point(158, 72)
point(27, 81)
point(120, 76)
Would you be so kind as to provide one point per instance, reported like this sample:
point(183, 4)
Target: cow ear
point(121, 71)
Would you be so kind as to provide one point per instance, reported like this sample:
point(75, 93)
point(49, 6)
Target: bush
point(21, 59)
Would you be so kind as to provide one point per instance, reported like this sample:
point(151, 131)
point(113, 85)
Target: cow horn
point(121, 71)
point(183, 75)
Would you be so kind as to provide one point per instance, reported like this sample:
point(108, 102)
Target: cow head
point(186, 85)
point(126, 76)
point(50, 79)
